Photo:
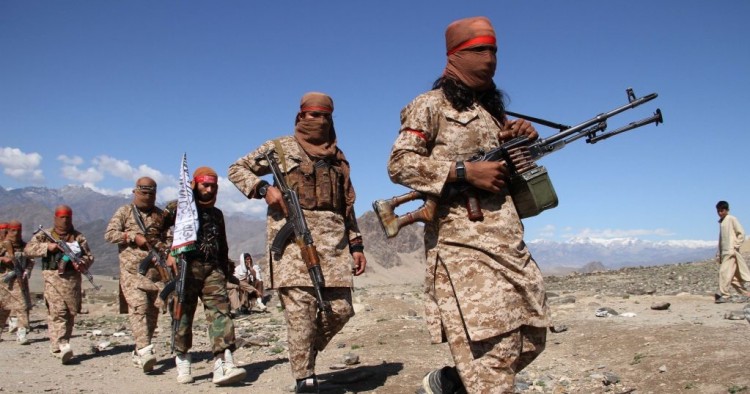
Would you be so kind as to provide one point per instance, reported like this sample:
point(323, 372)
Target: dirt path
point(688, 348)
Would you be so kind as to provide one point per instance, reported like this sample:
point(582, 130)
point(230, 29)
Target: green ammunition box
point(532, 192)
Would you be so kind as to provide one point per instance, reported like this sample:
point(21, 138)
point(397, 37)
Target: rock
point(351, 359)
point(660, 306)
point(610, 378)
point(628, 314)
point(735, 315)
point(337, 367)
point(663, 369)
point(606, 312)
point(558, 328)
point(118, 334)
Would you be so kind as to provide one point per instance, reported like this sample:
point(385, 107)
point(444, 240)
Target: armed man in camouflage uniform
point(12, 299)
point(62, 290)
point(208, 271)
point(485, 293)
point(140, 291)
point(318, 171)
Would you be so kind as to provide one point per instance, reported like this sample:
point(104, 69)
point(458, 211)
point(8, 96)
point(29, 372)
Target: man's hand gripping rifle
point(529, 184)
point(78, 264)
point(154, 256)
point(297, 226)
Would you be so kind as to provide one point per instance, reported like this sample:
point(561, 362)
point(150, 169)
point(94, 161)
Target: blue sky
point(98, 93)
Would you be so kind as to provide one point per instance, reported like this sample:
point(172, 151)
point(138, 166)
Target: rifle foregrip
point(310, 256)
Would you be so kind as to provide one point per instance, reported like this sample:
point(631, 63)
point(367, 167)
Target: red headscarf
point(474, 69)
point(205, 175)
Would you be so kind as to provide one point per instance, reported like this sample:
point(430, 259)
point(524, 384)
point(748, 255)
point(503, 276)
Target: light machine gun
point(297, 226)
point(78, 264)
point(529, 184)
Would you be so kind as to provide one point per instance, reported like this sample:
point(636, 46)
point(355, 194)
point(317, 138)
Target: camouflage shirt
point(496, 283)
point(331, 230)
point(123, 228)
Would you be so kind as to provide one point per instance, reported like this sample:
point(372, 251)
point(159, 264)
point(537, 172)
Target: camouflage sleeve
point(5, 252)
point(86, 254)
point(245, 173)
point(116, 232)
point(170, 216)
point(37, 246)
point(410, 163)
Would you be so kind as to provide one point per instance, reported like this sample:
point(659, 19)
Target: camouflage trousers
point(491, 365)
point(140, 293)
point(61, 294)
point(12, 301)
point(307, 331)
point(209, 284)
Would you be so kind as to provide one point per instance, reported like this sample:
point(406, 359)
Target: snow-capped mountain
point(618, 252)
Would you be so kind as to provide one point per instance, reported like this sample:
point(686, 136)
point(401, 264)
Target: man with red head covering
point(12, 287)
point(485, 293)
point(62, 287)
point(318, 171)
point(208, 269)
point(134, 243)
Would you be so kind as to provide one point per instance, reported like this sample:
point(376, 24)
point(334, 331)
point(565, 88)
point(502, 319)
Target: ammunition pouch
point(319, 185)
point(532, 192)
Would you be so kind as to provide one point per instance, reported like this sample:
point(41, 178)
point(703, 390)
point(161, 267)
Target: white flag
point(186, 220)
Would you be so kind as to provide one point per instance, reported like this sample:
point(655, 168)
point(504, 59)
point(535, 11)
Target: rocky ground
point(607, 338)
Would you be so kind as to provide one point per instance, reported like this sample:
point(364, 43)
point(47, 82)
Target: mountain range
point(401, 255)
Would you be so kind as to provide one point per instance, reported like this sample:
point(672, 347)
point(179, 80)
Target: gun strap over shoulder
point(138, 219)
point(282, 156)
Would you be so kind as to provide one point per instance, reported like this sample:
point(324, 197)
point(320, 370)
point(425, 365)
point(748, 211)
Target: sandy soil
point(688, 348)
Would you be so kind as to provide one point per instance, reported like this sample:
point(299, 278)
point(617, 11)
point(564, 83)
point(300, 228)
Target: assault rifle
point(529, 184)
point(153, 257)
point(178, 287)
point(19, 266)
point(78, 264)
point(297, 226)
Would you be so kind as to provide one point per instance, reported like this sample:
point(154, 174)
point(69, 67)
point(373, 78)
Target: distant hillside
point(394, 260)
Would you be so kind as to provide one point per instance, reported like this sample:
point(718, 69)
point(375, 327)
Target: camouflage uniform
point(140, 291)
point(62, 292)
point(11, 293)
point(332, 233)
point(485, 293)
point(206, 279)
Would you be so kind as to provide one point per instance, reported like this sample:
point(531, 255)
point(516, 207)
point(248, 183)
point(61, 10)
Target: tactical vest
point(319, 185)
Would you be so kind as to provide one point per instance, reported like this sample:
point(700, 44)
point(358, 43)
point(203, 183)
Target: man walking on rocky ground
point(733, 271)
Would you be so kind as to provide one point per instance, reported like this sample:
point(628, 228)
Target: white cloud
point(547, 231)
point(123, 170)
point(21, 166)
point(71, 161)
point(231, 200)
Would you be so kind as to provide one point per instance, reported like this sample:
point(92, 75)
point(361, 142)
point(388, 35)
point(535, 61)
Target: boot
point(21, 336)
point(145, 359)
point(66, 353)
point(13, 325)
point(225, 372)
point(183, 361)
point(307, 385)
point(259, 303)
